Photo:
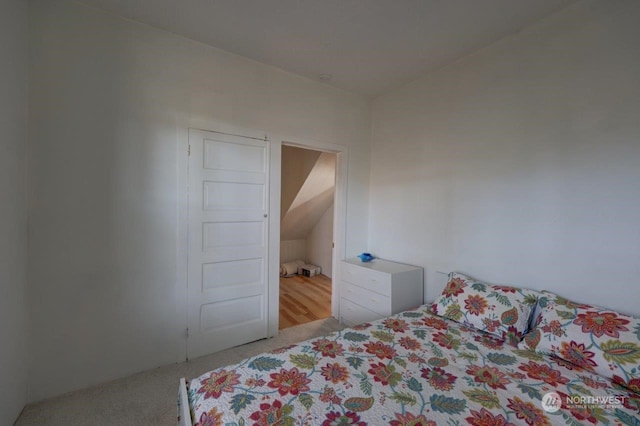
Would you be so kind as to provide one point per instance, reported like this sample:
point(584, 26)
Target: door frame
point(182, 215)
point(339, 222)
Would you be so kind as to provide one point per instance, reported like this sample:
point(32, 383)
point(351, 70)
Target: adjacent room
point(186, 187)
point(308, 181)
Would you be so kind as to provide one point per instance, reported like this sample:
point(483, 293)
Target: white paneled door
point(228, 233)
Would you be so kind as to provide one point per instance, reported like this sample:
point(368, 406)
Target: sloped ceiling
point(365, 46)
point(312, 200)
point(297, 163)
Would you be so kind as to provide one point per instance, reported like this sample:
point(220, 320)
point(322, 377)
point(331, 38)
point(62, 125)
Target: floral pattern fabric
point(414, 368)
point(496, 309)
point(594, 338)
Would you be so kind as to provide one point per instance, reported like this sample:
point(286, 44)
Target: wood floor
point(304, 299)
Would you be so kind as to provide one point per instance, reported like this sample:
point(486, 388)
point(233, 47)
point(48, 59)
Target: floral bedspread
point(414, 368)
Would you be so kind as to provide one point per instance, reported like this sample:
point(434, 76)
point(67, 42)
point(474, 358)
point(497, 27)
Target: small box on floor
point(309, 270)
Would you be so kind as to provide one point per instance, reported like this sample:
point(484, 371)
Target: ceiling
point(364, 46)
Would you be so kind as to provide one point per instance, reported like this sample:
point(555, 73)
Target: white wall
point(319, 243)
point(521, 163)
point(13, 215)
point(292, 250)
point(110, 103)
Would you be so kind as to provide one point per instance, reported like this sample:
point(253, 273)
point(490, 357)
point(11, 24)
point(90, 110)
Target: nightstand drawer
point(369, 279)
point(353, 314)
point(368, 299)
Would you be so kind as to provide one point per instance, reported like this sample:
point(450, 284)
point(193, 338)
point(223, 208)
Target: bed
point(439, 364)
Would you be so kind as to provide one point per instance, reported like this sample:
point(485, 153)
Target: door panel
point(226, 235)
point(231, 314)
point(239, 272)
point(228, 195)
point(228, 241)
point(221, 154)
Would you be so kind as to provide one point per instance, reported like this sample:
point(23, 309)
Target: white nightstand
point(377, 289)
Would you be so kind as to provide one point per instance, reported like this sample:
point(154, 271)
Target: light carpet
point(149, 398)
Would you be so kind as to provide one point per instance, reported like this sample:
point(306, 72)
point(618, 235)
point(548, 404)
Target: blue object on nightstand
point(366, 257)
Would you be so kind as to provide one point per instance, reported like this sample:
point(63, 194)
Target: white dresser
point(376, 289)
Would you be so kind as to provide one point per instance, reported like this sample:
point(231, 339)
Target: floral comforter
point(414, 368)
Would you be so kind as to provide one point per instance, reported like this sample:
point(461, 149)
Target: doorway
point(308, 184)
